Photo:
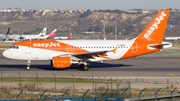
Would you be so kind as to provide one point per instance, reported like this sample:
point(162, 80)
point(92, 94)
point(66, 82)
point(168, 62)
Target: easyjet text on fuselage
point(51, 44)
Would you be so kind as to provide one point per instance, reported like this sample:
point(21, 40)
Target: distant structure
point(55, 9)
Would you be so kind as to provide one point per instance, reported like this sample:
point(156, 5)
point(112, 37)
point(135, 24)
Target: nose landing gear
point(28, 64)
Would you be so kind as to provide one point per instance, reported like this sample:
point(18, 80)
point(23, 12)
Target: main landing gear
point(84, 67)
point(28, 64)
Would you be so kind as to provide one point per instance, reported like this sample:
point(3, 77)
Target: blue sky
point(90, 4)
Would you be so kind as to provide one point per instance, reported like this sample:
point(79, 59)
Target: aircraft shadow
point(49, 67)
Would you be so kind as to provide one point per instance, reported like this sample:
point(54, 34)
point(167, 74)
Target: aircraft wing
point(91, 54)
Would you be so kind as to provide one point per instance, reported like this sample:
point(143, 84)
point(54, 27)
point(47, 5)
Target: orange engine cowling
point(61, 62)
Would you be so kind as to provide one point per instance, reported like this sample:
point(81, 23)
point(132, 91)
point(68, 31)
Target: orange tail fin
point(155, 30)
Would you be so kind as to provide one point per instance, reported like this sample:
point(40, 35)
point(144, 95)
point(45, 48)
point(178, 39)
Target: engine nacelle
point(61, 62)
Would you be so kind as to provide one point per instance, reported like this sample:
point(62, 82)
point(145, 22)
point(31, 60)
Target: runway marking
point(172, 75)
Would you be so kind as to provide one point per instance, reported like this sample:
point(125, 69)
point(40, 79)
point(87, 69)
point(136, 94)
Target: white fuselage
point(60, 38)
point(172, 38)
point(2, 37)
point(39, 53)
point(27, 37)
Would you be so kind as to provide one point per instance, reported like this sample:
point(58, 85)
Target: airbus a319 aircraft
point(64, 53)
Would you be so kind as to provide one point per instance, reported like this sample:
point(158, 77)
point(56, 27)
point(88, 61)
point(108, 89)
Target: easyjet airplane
point(64, 53)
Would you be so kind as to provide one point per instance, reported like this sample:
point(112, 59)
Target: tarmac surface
point(165, 64)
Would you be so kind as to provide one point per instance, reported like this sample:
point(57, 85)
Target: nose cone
point(10, 54)
point(5, 54)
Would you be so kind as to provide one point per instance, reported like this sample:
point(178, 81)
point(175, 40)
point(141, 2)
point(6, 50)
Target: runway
point(153, 65)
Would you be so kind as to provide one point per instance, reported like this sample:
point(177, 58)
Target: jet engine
point(61, 62)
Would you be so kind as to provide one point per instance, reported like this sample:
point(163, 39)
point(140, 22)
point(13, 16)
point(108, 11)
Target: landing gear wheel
point(81, 66)
point(28, 68)
point(85, 68)
point(28, 64)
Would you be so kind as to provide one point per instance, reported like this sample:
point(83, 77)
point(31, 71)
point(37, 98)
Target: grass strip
point(5, 46)
point(51, 80)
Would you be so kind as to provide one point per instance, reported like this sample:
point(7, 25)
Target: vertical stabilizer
point(43, 32)
point(52, 34)
point(69, 37)
point(155, 30)
point(8, 31)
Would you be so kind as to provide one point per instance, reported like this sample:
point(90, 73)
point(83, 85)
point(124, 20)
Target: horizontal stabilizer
point(160, 46)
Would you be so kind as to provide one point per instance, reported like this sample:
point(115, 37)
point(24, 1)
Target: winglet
point(114, 50)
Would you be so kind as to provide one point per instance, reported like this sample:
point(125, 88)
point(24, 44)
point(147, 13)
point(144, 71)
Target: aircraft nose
point(5, 54)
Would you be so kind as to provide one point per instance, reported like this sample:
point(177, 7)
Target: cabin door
point(134, 48)
point(28, 48)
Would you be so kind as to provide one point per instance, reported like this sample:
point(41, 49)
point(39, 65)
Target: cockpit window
point(15, 47)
